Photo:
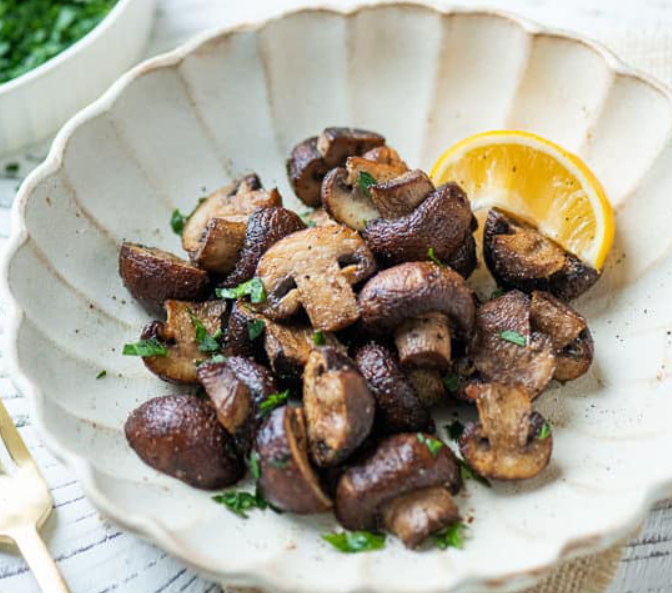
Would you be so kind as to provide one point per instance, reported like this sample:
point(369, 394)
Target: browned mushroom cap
point(306, 169)
point(519, 256)
point(400, 298)
point(336, 144)
point(345, 203)
point(505, 349)
point(235, 388)
point(287, 479)
point(287, 346)
point(153, 276)
point(398, 406)
point(464, 260)
point(179, 435)
point(179, 334)
point(507, 443)
point(568, 331)
point(376, 493)
point(265, 226)
point(443, 221)
point(315, 268)
point(401, 195)
point(338, 406)
point(215, 232)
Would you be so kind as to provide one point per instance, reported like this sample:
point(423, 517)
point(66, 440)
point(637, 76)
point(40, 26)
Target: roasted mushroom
point(319, 217)
point(178, 333)
point(509, 442)
point(236, 387)
point(153, 276)
point(401, 195)
point(347, 204)
point(428, 384)
point(287, 479)
point(519, 256)
point(443, 221)
point(306, 170)
point(398, 405)
point(311, 159)
point(214, 234)
point(339, 408)
point(315, 268)
point(423, 303)
point(337, 144)
point(405, 486)
point(286, 346)
point(506, 350)
point(179, 435)
point(464, 260)
point(569, 333)
point(265, 226)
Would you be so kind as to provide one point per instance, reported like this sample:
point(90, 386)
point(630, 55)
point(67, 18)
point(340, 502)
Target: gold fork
point(25, 504)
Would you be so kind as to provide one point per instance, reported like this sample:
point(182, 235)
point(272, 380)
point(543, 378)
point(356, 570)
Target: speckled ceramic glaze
point(189, 121)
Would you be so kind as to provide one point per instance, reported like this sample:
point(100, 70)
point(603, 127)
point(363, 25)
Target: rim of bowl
point(80, 45)
point(155, 531)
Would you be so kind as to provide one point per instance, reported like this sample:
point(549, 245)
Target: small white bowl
point(36, 104)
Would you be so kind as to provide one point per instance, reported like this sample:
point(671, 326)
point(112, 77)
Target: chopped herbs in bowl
point(34, 31)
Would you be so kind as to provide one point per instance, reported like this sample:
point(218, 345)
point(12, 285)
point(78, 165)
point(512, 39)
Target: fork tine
point(13, 441)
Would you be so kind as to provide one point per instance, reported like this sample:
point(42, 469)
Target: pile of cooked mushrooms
point(319, 344)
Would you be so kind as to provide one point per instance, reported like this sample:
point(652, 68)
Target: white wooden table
point(99, 558)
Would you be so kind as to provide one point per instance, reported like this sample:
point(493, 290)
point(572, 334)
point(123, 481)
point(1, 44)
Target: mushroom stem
point(424, 341)
point(414, 516)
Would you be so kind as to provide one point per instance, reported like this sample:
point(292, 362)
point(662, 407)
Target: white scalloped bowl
point(238, 100)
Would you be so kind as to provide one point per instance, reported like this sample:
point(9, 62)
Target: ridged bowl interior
point(188, 122)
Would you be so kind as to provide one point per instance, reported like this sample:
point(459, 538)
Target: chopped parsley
point(452, 382)
point(451, 537)
point(365, 181)
point(514, 337)
point(498, 293)
point(240, 503)
point(253, 288)
point(469, 474)
point(34, 31)
point(12, 168)
point(151, 347)
point(255, 328)
point(433, 258)
point(273, 401)
point(102, 374)
point(455, 430)
point(352, 542)
point(255, 468)
point(206, 342)
point(545, 431)
point(179, 220)
point(217, 358)
point(434, 445)
point(318, 338)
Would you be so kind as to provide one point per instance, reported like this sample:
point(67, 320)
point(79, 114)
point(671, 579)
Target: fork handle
point(42, 565)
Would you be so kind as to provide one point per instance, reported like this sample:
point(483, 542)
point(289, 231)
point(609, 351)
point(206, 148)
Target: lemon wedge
point(537, 181)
